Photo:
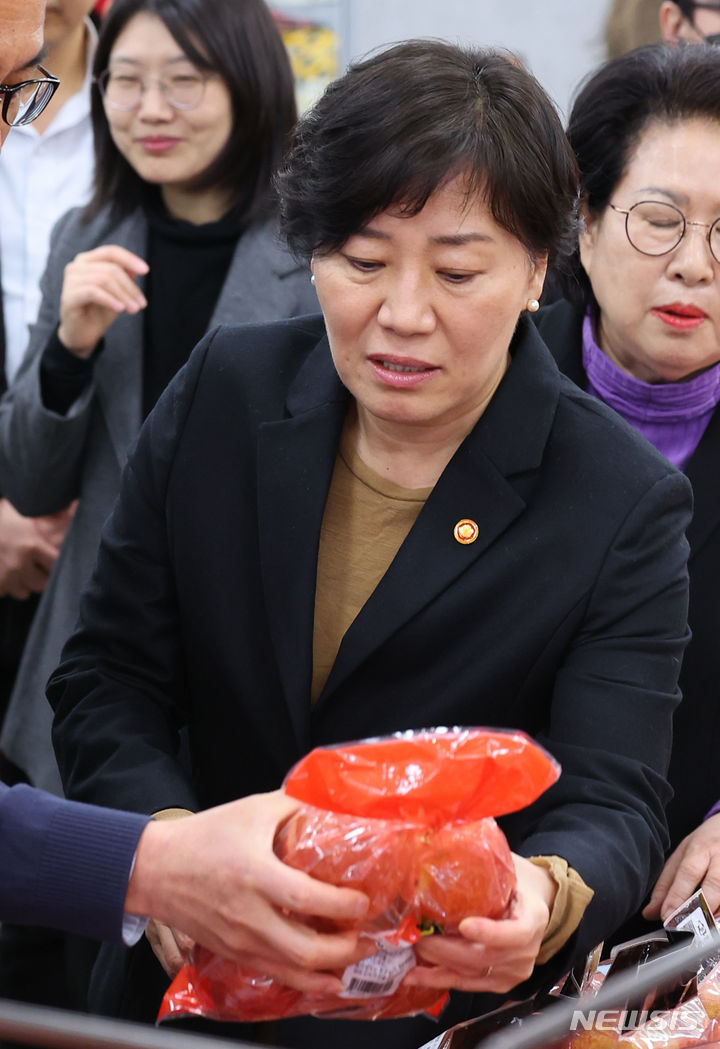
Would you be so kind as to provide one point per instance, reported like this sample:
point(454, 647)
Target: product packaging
point(408, 820)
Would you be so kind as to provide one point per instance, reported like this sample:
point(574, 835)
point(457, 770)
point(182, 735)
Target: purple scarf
point(671, 415)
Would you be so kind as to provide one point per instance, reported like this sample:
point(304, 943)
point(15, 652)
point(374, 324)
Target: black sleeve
point(63, 376)
point(119, 693)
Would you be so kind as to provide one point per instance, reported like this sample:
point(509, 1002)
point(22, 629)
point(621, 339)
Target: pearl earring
point(533, 305)
point(312, 279)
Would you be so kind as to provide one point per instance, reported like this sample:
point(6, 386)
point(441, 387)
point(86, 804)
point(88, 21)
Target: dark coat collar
point(296, 456)
point(561, 327)
point(528, 392)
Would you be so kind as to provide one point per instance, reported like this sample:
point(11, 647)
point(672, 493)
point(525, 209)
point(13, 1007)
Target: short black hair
point(239, 40)
point(402, 123)
point(657, 83)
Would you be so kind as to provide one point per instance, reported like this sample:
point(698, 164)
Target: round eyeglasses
point(23, 102)
point(124, 91)
point(656, 228)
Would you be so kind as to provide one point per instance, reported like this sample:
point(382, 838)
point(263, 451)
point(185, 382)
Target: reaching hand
point(694, 864)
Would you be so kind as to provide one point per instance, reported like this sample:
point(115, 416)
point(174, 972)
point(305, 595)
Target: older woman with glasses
point(193, 106)
point(643, 335)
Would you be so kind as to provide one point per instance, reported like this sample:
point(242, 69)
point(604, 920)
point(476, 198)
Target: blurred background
point(559, 40)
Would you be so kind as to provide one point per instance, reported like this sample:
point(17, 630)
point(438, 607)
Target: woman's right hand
point(97, 286)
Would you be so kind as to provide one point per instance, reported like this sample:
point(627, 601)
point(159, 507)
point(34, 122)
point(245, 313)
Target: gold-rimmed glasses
point(655, 227)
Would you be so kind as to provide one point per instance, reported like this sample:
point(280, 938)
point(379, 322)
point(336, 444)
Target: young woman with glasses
point(643, 334)
point(191, 113)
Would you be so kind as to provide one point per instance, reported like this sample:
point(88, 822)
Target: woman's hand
point(694, 864)
point(491, 955)
point(97, 286)
point(170, 946)
point(215, 876)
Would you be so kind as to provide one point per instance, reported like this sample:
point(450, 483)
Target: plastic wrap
point(692, 1022)
point(678, 1028)
point(408, 821)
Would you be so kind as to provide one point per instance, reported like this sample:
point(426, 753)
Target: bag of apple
point(408, 820)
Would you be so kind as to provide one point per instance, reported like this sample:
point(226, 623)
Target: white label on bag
point(380, 974)
point(696, 923)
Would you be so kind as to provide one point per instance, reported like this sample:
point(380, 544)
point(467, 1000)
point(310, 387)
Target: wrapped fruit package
point(408, 820)
point(692, 1024)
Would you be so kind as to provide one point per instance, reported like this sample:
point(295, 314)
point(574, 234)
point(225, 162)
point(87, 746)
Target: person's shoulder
point(560, 326)
point(265, 240)
point(75, 231)
point(292, 338)
point(257, 364)
point(612, 448)
point(589, 430)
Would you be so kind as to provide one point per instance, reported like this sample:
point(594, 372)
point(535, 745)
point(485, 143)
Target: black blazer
point(693, 773)
point(566, 618)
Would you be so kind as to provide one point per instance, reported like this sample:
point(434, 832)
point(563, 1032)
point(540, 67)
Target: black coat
point(566, 618)
point(694, 765)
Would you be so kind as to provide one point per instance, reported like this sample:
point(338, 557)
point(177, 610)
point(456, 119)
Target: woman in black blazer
point(643, 334)
point(392, 516)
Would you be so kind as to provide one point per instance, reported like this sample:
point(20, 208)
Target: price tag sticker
point(380, 974)
point(696, 917)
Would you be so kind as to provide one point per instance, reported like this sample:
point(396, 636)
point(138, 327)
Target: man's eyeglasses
point(124, 91)
point(656, 228)
point(689, 6)
point(23, 102)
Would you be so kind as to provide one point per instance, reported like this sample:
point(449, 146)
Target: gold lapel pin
point(466, 531)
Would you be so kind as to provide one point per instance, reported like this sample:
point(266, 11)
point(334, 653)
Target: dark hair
point(402, 123)
point(653, 84)
point(687, 7)
point(237, 39)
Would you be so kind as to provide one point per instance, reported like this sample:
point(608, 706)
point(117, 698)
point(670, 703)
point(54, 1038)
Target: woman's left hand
point(491, 955)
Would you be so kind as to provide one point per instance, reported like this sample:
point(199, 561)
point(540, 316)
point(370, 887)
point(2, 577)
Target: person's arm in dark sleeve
point(611, 727)
point(64, 377)
point(64, 864)
point(120, 684)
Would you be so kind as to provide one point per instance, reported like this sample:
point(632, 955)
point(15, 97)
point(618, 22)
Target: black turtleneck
point(188, 266)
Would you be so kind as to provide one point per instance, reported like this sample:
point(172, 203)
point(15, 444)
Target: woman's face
point(62, 19)
point(420, 310)
point(165, 146)
point(660, 315)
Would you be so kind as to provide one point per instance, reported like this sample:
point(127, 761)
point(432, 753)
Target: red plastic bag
point(407, 820)
point(432, 777)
